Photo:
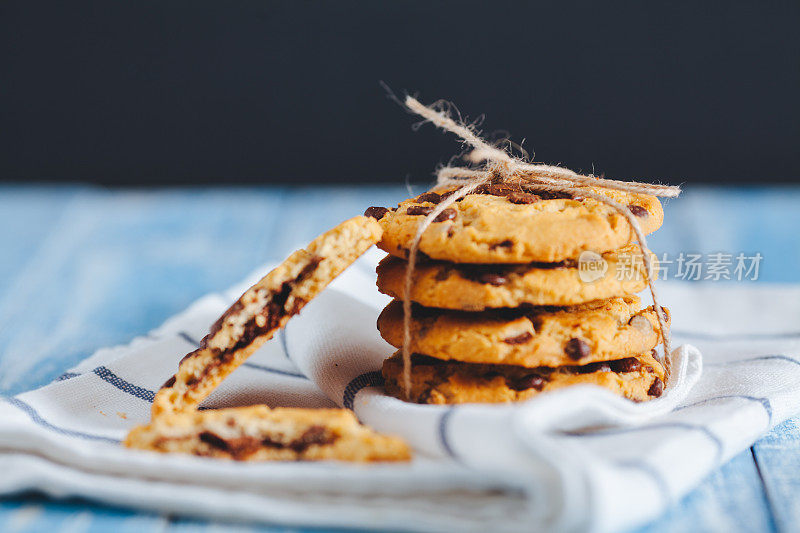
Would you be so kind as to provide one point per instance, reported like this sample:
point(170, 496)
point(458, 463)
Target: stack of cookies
point(516, 293)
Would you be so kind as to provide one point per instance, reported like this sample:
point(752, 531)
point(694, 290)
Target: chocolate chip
point(169, 383)
point(656, 389)
point(376, 212)
point(421, 312)
point(590, 368)
point(415, 210)
point(242, 447)
point(275, 310)
point(443, 273)
point(313, 435)
point(447, 214)
point(250, 331)
point(532, 381)
point(213, 440)
point(642, 324)
point(577, 349)
point(239, 448)
point(493, 279)
point(638, 211)
point(431, 197)
point(499, 189)
point(502, 244)
point(522, 338)
point(629, 364)
point(490, 274)
point(514, 194)
point(419, 359)
point(554, 195)
point(522, 198)
point(297, 305)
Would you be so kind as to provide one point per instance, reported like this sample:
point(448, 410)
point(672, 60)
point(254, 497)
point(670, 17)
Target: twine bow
point(497, 163)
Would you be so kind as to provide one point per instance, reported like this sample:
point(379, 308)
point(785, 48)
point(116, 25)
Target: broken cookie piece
point(258, 433)
point(263, 309)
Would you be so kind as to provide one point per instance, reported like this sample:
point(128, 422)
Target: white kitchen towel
point(576, 459)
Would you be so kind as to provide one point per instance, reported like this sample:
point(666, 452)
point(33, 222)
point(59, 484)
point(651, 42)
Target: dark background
point(199, 92)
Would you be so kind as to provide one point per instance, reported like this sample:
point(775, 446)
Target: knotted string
point(499, 164)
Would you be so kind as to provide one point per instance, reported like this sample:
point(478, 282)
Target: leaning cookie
point(598, 331)
point(477, 287)
point(501, 223)
point(258, 433)
point(434, 381)
point(263, 309)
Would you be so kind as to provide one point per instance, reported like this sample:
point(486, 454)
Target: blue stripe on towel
point(367, 379)
point(765, 403)
point(134, 390)
point(663, 425)
point(443, 431)
point(284, 343)
point(37, 419)
point(188, 338)
point(773, 357)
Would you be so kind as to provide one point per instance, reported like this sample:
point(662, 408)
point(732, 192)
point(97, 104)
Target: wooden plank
point(185, 525)
point(778, 460)
point(33, 513)
point(119, 264)
point(707, 220)
point(730, 499)
point(27, 217)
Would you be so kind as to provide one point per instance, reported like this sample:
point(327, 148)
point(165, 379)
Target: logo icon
point(591, 266)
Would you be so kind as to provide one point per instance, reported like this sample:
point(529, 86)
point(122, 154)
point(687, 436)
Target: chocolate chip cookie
point(477, 287)
point(258, 433)
point(598, 331)
point(263, 309)
point(434, 381)
point(504, 223)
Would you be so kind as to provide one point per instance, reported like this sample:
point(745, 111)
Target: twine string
point(500, 164)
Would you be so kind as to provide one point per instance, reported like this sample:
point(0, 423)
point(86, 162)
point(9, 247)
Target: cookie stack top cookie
point(504, 223)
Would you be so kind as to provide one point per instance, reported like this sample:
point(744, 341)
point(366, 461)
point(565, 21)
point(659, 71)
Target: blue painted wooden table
point(82, 268)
